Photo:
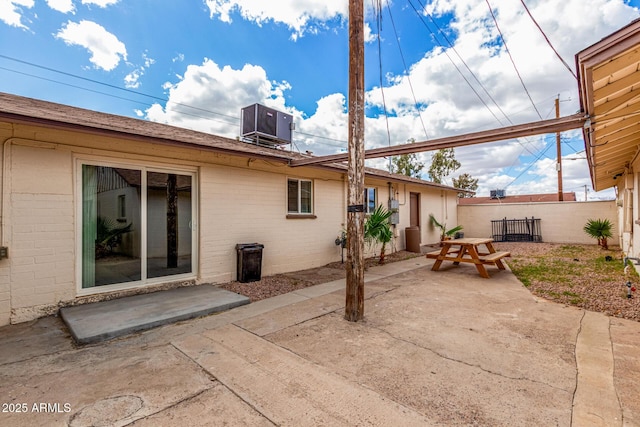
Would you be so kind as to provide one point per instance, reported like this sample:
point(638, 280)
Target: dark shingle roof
point(18, 109)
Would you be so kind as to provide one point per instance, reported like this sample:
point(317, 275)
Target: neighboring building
point(518, 198)
point(609, 80)
point(96, 206)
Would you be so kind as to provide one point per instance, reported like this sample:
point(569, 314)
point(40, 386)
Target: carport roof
point(609, 83)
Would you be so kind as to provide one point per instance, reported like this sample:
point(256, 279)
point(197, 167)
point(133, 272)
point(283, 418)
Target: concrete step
point(100, 321)
point(287, 389)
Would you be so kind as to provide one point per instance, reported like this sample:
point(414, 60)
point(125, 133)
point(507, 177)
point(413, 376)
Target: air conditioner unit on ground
point(265, 125)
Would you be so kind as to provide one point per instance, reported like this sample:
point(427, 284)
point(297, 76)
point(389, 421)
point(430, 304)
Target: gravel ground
point(270, 286)
point(584, 285)
point(585, 279)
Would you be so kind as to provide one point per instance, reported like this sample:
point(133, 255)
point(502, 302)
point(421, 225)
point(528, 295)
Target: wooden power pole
point(559, 154)
point(354, 305)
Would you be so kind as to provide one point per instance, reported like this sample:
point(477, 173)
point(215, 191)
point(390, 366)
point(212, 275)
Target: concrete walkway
point(435, 348)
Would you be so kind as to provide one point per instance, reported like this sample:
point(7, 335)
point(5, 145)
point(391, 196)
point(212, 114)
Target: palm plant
point(377, 228)
point(444, 233)
point(599, 229)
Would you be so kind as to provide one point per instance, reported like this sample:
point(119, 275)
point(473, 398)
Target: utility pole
point(354, 305)
point(559, 154)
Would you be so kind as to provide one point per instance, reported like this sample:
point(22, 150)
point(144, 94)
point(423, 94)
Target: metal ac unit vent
point(265, 125)
point(498, 194)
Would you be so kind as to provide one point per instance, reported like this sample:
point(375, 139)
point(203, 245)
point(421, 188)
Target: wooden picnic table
point(468, 250)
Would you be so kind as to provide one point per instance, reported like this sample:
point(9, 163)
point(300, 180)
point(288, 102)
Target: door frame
point(144, 167)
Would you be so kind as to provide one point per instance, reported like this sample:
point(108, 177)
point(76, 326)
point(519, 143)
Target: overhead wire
point(406, 70)
point(548, 41)
point(112, 95)
point(133, 92)
point(475, 77)
point(112, 86)
point(378, 9)
point(506, 48)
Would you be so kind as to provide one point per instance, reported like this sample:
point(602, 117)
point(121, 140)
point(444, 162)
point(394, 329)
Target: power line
point(506, 48)
point(452, 47)
point(406, 70)
point(378, 9)
point(184, 113)
point(111, 95)
point(158, 98)
point(548, 41)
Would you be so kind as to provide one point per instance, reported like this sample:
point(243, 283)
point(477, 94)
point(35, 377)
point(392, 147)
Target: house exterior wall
point(628, 211)
point(239, 200)
point(561, 222)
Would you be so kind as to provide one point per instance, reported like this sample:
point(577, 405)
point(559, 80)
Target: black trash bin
point(249, 262)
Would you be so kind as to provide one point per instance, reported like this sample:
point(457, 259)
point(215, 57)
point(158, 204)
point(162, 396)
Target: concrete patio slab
point(288, 389)
point(98, 386)
point(435, 348)
point(90, 323)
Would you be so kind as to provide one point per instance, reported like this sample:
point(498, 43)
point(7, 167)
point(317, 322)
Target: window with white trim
point(299, 196)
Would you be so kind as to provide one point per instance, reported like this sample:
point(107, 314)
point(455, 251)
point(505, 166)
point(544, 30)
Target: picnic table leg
point(492, 250)
point(463, 250)
point(438, 263)
point(479, 264)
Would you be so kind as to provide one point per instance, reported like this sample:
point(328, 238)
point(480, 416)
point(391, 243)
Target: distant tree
point(407, 164)
point(466, 182)
point(443, 164)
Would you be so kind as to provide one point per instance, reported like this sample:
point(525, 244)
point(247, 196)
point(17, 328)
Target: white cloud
point(306, 16)
point(451, 107)
point(215, 95)
point(11, 12)
point(132, 80)
point(448, 105)
point(105, 48)
point(63, 6)
point(100, 3)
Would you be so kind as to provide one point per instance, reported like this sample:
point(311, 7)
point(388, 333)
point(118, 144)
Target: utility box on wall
point(394, 206)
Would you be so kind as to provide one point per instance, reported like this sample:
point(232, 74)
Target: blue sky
point(154, 60)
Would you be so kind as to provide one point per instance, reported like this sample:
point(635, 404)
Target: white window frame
point(299, 197)
point(367, 208)
point(143, 167)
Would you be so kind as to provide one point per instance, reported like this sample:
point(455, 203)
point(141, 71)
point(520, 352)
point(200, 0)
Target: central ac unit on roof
point(265, 125)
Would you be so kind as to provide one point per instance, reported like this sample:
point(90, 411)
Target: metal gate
point(516, 230)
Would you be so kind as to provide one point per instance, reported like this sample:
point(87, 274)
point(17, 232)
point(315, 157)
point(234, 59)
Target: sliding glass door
point(168, 224)
point(137, 224)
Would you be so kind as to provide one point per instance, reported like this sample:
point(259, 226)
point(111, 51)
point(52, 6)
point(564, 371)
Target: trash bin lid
point(242, 246)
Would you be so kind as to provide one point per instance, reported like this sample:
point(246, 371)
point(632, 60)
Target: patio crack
point(471, 365)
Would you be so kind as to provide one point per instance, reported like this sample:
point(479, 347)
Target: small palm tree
point(599, 229)
point(444, 233)
point(377, 228)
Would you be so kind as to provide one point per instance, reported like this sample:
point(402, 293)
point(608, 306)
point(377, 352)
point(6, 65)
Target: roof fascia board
point(65, 126)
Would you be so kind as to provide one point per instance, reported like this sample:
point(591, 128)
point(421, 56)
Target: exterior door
point(414, 207)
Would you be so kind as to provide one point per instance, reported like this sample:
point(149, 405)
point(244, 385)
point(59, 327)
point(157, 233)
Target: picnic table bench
point(467, 250)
